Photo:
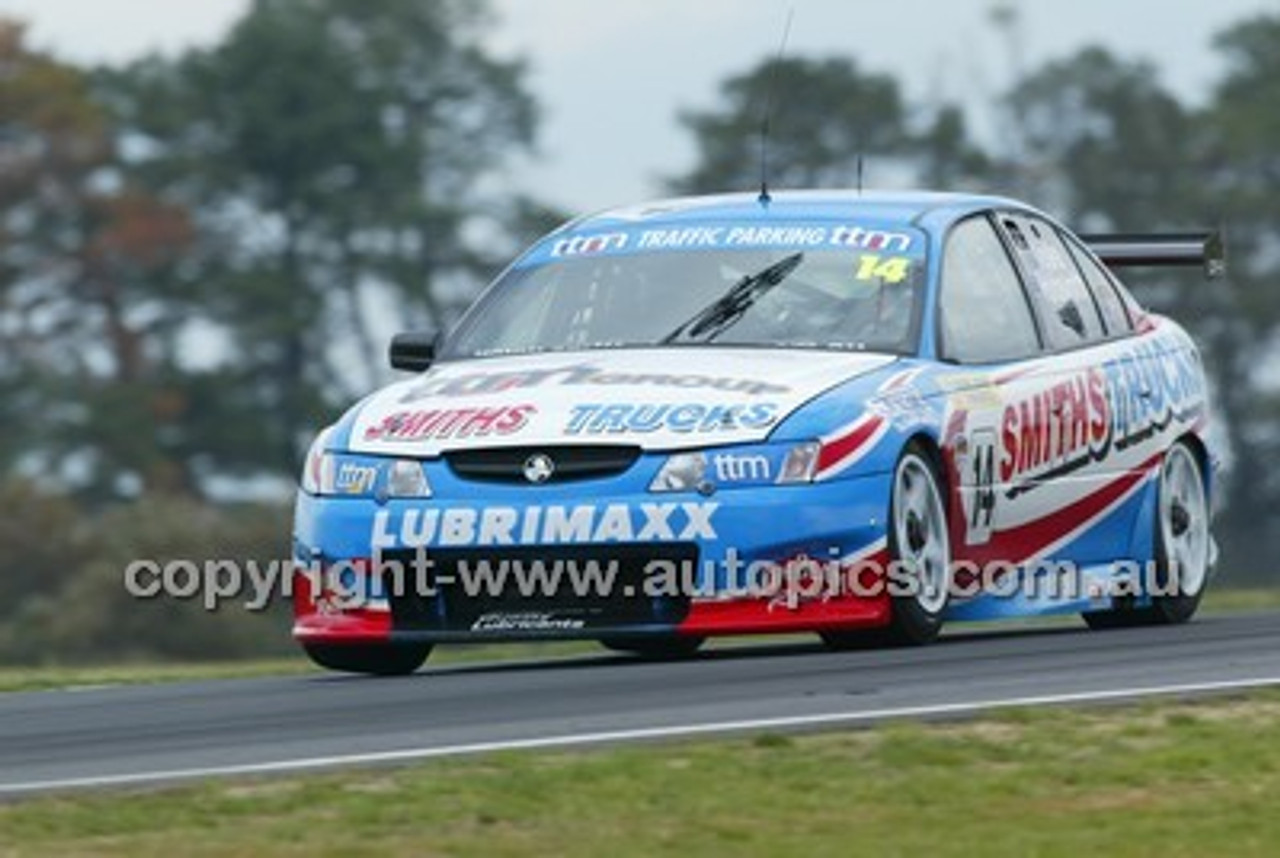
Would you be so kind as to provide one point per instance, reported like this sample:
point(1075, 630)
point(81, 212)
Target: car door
point(1074, 495)
point(990, 337)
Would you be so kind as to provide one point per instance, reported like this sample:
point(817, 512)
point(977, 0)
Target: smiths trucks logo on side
point(1086, 416)
point(541, 525)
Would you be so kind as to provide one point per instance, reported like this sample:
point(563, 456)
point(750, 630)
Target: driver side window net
point(985, 317)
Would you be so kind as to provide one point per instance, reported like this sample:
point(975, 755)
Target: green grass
point(1237, 600)
point(50, 677)
point(1177, 779)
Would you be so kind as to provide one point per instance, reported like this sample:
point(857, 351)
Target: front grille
point(507, 464)
point(454, 602)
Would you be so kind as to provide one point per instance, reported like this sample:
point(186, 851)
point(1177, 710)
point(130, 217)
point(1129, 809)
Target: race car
point(856, 414)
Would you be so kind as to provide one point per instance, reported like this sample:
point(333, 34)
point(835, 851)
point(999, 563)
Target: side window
point(1068, 312)
point(1114, 315)
point(983, 310)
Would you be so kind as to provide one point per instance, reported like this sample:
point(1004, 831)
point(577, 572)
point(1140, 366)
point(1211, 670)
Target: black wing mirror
point(412, 351)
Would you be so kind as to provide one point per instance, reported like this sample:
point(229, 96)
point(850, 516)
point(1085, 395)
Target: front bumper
point(738, 561)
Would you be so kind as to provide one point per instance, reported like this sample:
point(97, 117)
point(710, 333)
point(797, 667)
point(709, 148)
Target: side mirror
point(412, 351)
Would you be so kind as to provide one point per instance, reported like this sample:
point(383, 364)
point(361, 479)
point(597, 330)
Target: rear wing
point(1206, 249)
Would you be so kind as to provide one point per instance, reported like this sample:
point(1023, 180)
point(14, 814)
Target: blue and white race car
point(860, 415)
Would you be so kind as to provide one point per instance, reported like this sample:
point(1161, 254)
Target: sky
point(613, 76)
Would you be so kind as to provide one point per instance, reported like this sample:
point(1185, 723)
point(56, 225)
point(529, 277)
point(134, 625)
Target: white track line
point(637, 734)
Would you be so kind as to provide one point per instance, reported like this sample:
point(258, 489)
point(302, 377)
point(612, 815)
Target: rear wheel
point(919, 554)
point(1182, 536)
point(1182, 548)
point(655, 648)
point(376, 659)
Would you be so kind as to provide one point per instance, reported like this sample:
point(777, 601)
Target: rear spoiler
point(1162, 248)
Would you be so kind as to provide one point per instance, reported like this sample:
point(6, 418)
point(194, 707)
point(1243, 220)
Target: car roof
point(901, 207)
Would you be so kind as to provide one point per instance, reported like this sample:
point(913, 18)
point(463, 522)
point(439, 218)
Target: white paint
point(564, 397)
point(794, 722)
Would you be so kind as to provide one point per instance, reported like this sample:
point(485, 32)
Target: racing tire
point(669, 648)
point(374, 659)
point(1183, 549)
point(919, 538)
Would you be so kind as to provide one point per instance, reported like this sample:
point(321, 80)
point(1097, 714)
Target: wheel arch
point(1201, 451)
point(930, 445)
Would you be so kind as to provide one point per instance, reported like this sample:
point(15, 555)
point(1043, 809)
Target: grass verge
point(1172, 779)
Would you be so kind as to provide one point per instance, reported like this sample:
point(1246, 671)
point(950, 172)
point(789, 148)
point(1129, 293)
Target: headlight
point(754, 465)
point(406, 478)
point(328, 474)
point(680, 473)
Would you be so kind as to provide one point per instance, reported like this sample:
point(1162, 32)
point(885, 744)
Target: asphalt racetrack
point(150, 734)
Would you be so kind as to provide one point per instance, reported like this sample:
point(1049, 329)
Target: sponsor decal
point(585, 245)
point(1085, 416)
point(731, 236)
point(871, 239)
point(742, 468)
point(436, 423)
point(525, 621)
point(570, 375)
point(969, 391)
point(900, 401)
point(353, 479)
point(681, 238)
point(537, 525)
point(1150, 388)
point(1056, 429)
point(684, 418)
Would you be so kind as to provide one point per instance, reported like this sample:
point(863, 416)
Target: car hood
point(659, 399)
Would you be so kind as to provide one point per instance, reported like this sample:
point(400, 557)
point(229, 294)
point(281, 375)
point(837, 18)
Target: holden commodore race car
point(856, 414)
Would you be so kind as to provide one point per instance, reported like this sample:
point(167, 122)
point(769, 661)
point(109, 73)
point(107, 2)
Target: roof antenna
point(765, 198)
point(859, 174)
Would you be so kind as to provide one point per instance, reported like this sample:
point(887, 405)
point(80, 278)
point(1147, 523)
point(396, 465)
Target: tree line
point(201, 254)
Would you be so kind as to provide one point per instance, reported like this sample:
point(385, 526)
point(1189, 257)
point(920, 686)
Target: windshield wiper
point(720, 315)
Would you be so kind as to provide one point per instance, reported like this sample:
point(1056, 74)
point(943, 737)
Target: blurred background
point(213, 214)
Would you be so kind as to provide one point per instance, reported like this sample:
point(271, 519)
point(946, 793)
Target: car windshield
point(846, 287)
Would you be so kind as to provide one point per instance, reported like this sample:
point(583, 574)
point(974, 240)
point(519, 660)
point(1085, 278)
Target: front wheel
point(919, 555)
point(375, 659)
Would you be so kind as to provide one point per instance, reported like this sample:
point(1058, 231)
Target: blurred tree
point(1096, 134)
point(822, 115)
point(341, 159)
point(44, 541)
point(85, 614)
point(1244, 180)
point(85, 265)
point(1106, 147)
